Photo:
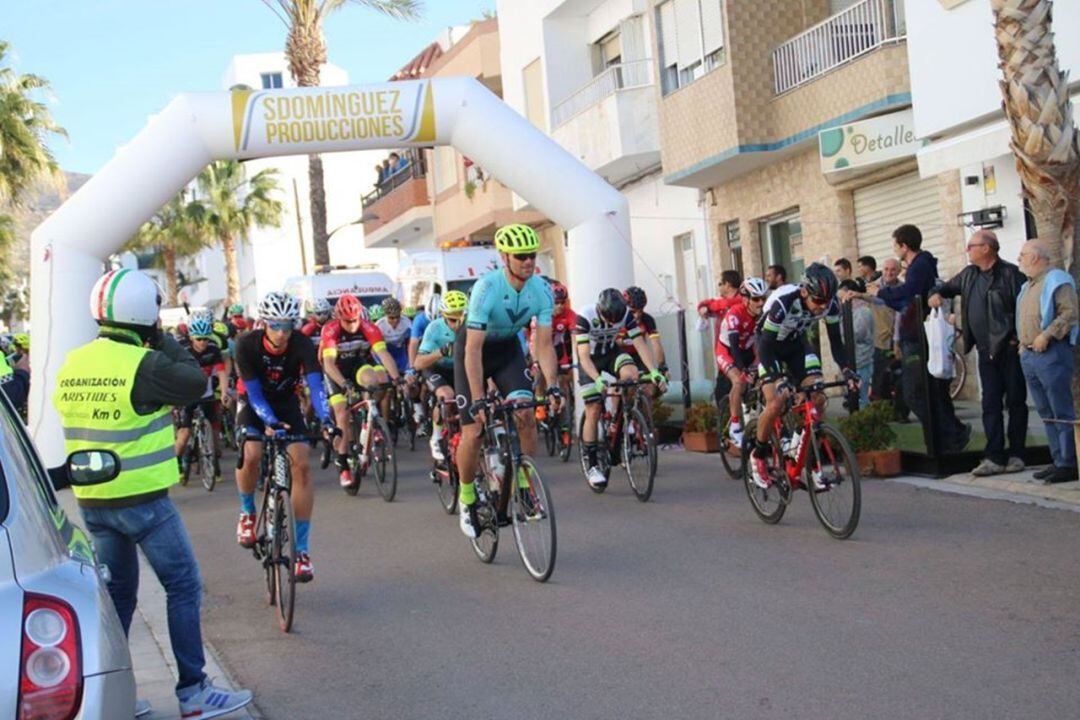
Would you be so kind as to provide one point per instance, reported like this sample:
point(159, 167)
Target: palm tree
point(1044, 137)
point(230, 203)
point(25, 125)
point(305, 48)
point(172, 234)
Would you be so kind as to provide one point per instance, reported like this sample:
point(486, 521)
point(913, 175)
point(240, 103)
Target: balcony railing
point(638, 73)
point(412, 167)
point(842, 37)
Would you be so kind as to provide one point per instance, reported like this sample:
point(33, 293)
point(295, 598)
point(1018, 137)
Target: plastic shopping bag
point(939, 342)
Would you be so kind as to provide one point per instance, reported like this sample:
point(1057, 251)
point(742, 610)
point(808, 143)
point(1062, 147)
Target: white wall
point(1008, 193)
point(953, 60)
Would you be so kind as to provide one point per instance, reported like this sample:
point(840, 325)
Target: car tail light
point(50, 675)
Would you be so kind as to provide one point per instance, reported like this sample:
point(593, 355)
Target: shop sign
point(869, 142)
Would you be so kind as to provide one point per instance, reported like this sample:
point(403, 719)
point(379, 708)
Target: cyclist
point(318, 314)
point(786, 318)
point(271, 362)
point(435, 358)
point(236, 321)
point(636, 300)
point(735, 346)
point(375, 313)
point(396, 331)
point(597, 337)
point(350, 345)
point(420, 322)
point(563, 322)
point(212, 362)
point(502, 302)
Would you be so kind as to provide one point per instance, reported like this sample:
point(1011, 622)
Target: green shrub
point(661, 412)
point(701, 418)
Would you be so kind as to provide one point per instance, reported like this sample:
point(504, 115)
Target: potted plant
point(699, 431)
point(873, 440)
point(666, 433)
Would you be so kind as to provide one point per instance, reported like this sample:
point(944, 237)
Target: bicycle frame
point(811, 420)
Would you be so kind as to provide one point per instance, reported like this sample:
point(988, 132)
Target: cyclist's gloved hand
point(600, 384)
point(784, 387)
point(279, 429)
point(447, 350)
point(477, 406)
point(330, 429)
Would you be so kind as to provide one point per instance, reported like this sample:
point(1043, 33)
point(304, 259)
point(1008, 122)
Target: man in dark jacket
point(988, 289)
point(951, 435)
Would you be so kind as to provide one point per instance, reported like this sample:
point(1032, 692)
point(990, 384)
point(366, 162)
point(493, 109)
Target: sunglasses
point(280, 326)
point(524, 256)
point(200, 338)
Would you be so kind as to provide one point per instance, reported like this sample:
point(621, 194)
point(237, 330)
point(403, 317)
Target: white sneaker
point(436, 450)
point(595, 477)
point(465, 521)
point(818, 480)
point(212, 701)
point(735, 433)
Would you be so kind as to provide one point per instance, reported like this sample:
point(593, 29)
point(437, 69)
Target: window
point(534, 94)
point(691, 38)
point(734, 243)
point(446, 162)
point(781, 244)
point(271, 81)
point(609, 50)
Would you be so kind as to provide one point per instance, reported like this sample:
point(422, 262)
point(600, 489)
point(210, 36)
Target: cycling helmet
point(375, 313)
point(279, 306)
point(434, 306)
point(5, 343)
point(200, 328)
point(516, 239)
point(610, 306)
point(221, 329)
point(754, 287)
point(348, 308)
point(454, 302)
point(319, 307)
point(820, 282)
point(125, 297)
point(236, 309)
point(21, 341)
point(391, 306)
point(559, 292)
point(409, 311)
point(182, 330)
point(635, 298)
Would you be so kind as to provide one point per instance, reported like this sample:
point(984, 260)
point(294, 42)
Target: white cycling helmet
point(319, 306)
point(433, 309)
point(201, 314)
point(279, 306)
point(125, 297)
point(754, 287)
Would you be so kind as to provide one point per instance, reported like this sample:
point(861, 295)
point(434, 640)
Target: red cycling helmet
point(560, 292)
point(348, 308)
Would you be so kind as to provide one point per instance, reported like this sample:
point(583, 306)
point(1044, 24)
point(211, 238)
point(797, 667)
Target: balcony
point(847, 35)
point(398, 212)
point(610, 123)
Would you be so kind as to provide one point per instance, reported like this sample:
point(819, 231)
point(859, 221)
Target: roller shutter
point(881, 208)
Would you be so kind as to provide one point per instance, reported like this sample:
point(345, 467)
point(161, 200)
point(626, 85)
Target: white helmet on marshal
point(125, 297)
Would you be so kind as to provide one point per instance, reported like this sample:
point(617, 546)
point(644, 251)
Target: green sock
point(523, 479)
point(467, 493)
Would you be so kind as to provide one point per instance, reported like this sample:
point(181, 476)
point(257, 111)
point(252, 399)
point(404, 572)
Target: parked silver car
point(63, 653)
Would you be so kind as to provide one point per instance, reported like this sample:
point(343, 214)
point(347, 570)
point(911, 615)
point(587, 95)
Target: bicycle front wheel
point(958, 380)
point(208, 469)
point(264, 546)
point(284, 558)
point(602, 460)
point(639, 454)
point(730, 453)
point(533, 518)
point(769, 503)
point(385, 460)
point(832, 477)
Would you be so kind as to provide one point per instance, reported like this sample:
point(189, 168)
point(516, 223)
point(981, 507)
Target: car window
point(17, 451)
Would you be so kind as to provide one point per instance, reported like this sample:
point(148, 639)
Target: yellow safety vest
point(93, 397)
point(5, 369)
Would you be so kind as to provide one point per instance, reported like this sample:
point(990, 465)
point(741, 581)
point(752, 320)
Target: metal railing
point(413, 167)
point(833, 42)
point(637, 73)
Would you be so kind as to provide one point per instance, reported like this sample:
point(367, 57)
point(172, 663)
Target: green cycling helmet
point(514, 239)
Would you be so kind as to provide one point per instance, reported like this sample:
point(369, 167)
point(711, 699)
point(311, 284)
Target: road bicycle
point(444, 473)
point(557, 430)
point(199, 455)
point(400, 419)
point(625, 437)
point(370, 443)
point(730, 452)
point(275, 526)
point(501, 499)
point(956, 384)
point(809, 454)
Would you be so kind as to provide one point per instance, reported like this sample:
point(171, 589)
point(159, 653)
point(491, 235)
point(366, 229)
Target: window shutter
point(687, 32)
point(632, 32)
point(669, 53)
point(712, 25)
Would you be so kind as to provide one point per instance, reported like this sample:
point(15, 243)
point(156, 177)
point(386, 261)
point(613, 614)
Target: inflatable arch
point(68, 249)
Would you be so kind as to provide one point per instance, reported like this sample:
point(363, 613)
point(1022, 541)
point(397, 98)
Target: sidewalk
point(148, 641)
point(1016, 487)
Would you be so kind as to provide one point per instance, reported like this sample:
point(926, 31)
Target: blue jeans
point(866, 375)
point(1049, 377)
point(156, 527)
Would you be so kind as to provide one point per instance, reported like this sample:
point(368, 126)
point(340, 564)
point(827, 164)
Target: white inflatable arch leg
point(69, 249)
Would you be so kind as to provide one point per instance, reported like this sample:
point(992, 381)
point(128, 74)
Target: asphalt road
point(688, 606)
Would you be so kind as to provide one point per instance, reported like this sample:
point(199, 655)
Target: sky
point(113, 63)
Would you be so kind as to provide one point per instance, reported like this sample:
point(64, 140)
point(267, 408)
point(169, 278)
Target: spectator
point(868, 270)
point(988, 289)
point(951, 435)
point(886, 347)
point(387, 171)
point(716, 308)
point(1046, 324)
point(862, 323)
point(380, 175)
point(775, 276)
point(842, 268)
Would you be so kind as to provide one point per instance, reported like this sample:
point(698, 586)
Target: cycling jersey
point(501, 311)
point(419, 324)
point(735, 343)
point(563, 327)
point(350, 350)
point(603, 337)
point(785, 320)
point(270, 378)
point(439, 337)
point(211, 361)
point(647, 323)
point(397, 339)
point(313, 330)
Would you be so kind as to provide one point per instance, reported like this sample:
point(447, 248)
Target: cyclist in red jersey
point(348, 351)
point(735, 346)
point(318, 315)
point(563, 322)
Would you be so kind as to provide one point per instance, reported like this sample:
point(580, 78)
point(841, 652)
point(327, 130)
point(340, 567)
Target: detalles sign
point(329, 118)
point(869, 142)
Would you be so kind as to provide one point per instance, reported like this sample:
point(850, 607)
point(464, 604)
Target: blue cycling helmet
point(200, 327)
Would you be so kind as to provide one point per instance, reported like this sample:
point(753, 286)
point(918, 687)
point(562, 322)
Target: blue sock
point(303, 530)
point(247, 503)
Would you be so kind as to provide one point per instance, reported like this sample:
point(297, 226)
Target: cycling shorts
point(336, 393)
point(210, 410)
point(436, 378)
point(798, 356)
point(611, 363)
point(504, 363)
point(286, 410)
